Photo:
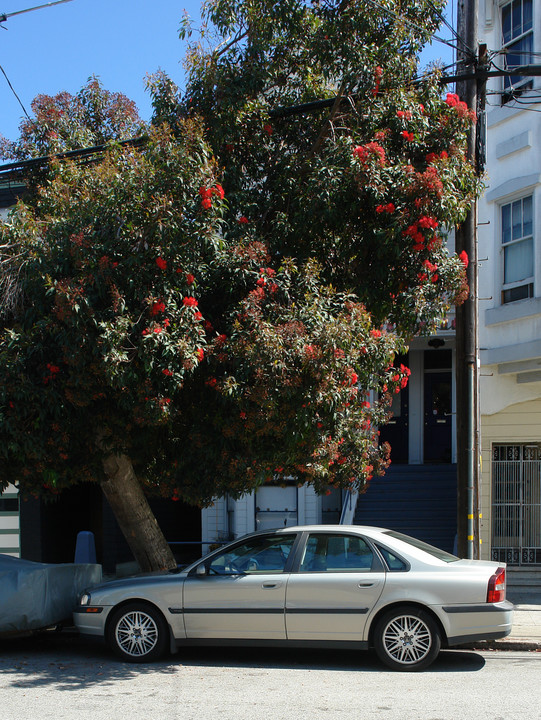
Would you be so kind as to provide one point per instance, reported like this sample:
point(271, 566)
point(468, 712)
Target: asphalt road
point(63, 677)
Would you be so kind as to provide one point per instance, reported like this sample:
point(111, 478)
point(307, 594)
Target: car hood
point(137, 581)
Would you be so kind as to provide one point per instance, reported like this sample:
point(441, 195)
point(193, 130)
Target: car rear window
point(425, 547)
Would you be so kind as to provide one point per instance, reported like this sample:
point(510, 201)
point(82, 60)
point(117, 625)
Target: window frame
point(527, 283)
point(377, 562)
point(515, 85)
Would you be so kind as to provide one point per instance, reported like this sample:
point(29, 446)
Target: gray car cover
point(36, 595)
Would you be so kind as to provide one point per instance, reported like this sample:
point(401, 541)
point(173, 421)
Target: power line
point(415, 26)
point(13, 91)
point(457, 37)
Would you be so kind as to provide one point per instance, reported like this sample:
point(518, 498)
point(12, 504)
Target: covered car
point(35, 595)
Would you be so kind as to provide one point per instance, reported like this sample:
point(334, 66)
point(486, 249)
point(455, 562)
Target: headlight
point(84, 599)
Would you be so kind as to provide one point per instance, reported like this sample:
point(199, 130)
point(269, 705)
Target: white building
point(510, 289)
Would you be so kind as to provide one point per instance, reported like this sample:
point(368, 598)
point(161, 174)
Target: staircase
point(418, 500)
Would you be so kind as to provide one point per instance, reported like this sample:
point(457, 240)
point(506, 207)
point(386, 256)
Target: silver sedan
point(320, 585)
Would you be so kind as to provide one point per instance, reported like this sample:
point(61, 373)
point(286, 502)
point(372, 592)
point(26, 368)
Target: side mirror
point(201, 570)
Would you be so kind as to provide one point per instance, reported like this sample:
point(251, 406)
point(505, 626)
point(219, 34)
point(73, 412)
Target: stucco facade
point(510, 290)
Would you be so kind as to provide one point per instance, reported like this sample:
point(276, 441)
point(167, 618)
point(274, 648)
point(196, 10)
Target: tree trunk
point(134, 516)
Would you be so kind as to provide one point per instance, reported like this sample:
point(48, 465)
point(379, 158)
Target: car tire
point(137, 632)
point(407, 639)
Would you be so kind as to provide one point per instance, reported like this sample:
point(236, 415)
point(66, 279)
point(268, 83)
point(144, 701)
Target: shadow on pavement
point(69, 662)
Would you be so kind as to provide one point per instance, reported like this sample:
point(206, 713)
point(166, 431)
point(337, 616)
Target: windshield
point(425, 547)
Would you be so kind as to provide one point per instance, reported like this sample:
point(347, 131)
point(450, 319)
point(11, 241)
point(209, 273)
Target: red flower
point(161, 263)
point(268, 129)
point(200, 354)
point(404, 114)
point(218, 190)
point(464, 257)
point(189, 302)
point(206, 203)
point(190, 279)
point(371, 149)
point(243, 220)
point(157, 307)
point(428, 223)
point(409, 136)
point(375, 333)
point(167, 372)
point(452, 99)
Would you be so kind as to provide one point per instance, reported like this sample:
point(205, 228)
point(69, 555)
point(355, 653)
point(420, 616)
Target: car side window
point(325, 552)
point(266, 554)
point(394, 563)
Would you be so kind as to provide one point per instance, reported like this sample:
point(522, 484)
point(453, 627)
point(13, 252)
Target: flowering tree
point(224, 305)
point(65, 122)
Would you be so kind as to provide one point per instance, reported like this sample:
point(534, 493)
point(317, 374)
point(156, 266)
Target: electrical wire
point(457, 37)
point(13, 91)
point(408, 22)
point(523, 109)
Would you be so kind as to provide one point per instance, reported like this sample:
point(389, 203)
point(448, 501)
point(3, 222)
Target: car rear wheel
point(407, 638)
point(137, 633)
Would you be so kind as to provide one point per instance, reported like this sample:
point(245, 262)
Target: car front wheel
point(137, 633)
point(407, 639)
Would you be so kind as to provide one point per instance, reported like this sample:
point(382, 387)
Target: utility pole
point(467, 345)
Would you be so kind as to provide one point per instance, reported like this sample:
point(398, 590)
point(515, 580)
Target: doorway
point(438, 406)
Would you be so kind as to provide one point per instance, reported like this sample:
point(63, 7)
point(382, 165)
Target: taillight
point(496, 586)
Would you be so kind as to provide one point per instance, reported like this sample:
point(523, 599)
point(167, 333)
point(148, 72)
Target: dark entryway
point(438, 406)
point(49, 529)
point(395, 432)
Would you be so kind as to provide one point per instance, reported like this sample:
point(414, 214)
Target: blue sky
point(60, 47)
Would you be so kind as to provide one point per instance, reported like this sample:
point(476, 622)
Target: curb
point(503, 644)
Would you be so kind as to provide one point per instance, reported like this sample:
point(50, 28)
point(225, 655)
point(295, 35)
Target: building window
point(517, 244)
point(517, 44)
point(516, 503)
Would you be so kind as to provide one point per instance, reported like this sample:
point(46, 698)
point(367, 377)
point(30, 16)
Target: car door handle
point(366, 585)
point(268, 585)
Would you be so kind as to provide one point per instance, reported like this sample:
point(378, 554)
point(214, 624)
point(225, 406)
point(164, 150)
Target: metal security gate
point(516, 504)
